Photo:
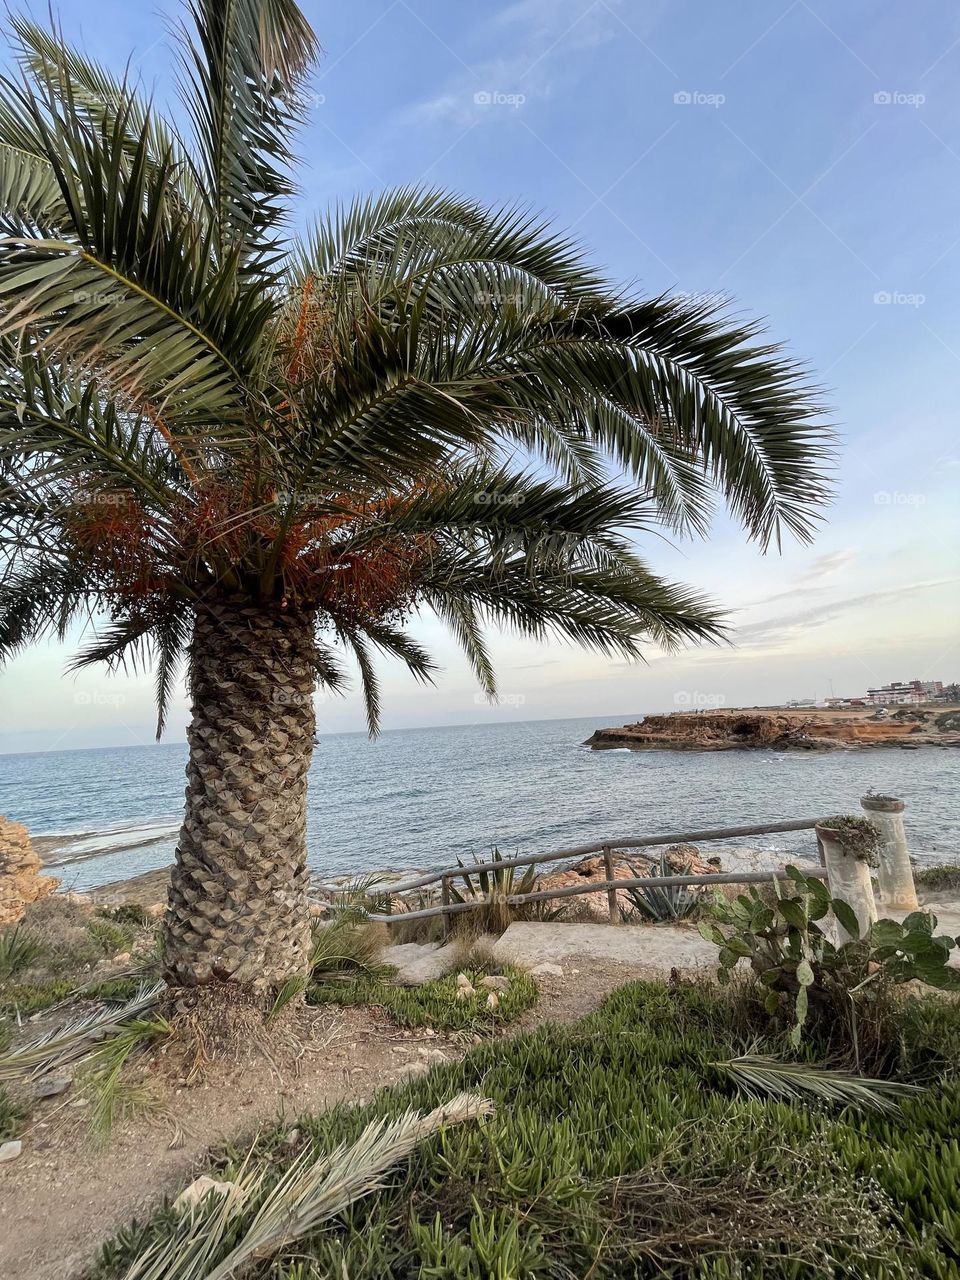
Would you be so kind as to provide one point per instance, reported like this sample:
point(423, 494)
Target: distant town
point(900, 693)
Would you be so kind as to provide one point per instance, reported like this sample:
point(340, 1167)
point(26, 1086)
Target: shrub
point(945, 876)
point(18, 950)
point(805, 975)
point(489, 890)
point(11, 1116)
point(346, 949)
point(857, 835)
point(110, 935)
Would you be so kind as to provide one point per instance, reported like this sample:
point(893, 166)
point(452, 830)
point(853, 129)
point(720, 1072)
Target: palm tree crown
point(190, 407)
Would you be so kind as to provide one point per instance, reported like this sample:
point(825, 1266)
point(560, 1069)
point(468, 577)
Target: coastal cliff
point(777, 730)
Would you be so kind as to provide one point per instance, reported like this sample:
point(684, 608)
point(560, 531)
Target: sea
point(417, 799)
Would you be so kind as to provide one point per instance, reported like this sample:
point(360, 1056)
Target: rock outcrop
point(680, 859)
point(20, 880)
point(739, 730)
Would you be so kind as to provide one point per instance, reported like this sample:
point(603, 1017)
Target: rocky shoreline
point(780, 731)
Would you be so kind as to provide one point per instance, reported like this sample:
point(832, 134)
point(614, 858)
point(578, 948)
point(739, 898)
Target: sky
point(802, 160)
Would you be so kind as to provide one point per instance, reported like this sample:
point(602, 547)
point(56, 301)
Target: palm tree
point(219, 446)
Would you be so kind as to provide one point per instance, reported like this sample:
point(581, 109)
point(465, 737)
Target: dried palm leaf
point(311, 1191)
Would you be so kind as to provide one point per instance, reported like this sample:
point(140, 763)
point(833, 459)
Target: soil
point(66, 1193)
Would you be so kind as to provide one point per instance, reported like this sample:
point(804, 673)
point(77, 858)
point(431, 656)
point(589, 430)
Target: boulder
point(546, 970)
point(680, 859)
point(20, 880)
point(10, 1151)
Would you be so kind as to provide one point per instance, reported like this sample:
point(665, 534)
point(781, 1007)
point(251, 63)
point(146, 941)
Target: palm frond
point(764, 1077)
point(311, 1191)
point(73, 1042)
point(243, 70)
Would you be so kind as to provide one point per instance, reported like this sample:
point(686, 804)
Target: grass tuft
point(436, 1004)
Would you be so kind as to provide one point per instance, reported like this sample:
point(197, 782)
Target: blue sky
point(802, 158)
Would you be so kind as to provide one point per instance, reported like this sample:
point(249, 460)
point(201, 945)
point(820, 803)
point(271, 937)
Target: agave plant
point(222, 445)
point(663, 902)
point(18, 950)
point(491, 890)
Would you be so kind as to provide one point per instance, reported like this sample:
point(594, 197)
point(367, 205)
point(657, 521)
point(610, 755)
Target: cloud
point(541, 34)
point(776, 630)
point(812, 579)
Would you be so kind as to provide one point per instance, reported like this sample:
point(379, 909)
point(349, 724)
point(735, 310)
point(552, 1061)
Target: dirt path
point(65, 1195)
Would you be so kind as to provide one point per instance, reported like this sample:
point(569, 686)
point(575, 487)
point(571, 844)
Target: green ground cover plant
point(436, 1004)
point(621, 1146)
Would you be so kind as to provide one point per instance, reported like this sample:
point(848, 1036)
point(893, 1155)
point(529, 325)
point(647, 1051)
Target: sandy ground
point(65, 1194)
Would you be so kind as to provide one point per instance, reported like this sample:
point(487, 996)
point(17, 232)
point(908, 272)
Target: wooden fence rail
point(445, 876)
point(583, 850)
point(448, 908)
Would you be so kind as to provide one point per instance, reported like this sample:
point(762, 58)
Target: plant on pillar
point(254, 456)
point(856, 836)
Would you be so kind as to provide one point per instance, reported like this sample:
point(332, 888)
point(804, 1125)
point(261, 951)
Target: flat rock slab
point(417, 962)
point(655, 946)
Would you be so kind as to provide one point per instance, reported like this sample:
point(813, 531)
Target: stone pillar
point(895, 874)
point(849, 880)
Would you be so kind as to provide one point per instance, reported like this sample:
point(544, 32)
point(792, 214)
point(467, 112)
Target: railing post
point(894, 873)
point(849, 879)
point(445, 900)
point(612, 905)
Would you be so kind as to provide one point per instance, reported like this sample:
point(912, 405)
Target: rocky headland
point(780, 730)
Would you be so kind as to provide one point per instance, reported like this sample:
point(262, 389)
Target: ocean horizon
point(423, 797)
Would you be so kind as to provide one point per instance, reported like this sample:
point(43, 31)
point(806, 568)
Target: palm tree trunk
point(238, 909)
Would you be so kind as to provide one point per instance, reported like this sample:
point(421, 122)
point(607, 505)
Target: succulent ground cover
point(624, 1145)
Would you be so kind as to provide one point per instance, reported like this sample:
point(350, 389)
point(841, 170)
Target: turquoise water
point(419, 798)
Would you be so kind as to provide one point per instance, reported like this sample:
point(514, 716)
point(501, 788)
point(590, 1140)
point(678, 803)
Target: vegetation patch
point(618, 1148)
point(945, 877)
point(12, 1113)
point(857, 836)
point(443, 1004)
